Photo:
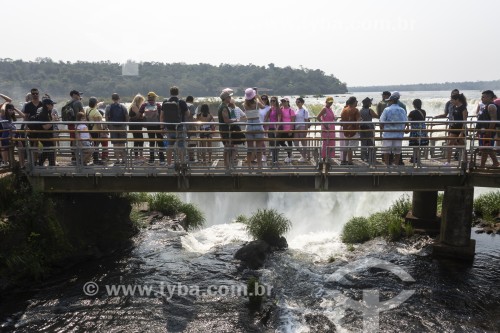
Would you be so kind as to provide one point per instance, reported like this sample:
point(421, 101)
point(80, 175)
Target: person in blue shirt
point(393, 122)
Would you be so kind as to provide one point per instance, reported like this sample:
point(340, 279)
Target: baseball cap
point(329, 100)
point(225, 94)
point(285, 99)
point(48, 101)
point(394, 96)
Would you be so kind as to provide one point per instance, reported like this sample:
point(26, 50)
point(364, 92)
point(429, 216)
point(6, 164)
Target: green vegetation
point(169, 204)
point(102, 78)
point(32, 237)
point(241, 219)
point(487, 206)
point(389, 224)
point(268, 225)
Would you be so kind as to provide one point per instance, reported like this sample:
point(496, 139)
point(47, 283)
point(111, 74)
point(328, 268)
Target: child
point(83, 139)
point(205, 131)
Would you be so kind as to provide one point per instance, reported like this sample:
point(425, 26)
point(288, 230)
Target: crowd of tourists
point(266, 124)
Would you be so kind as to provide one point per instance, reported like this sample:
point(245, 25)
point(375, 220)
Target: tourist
point(262, 116)
point(191, 129)
point(77, 106)
point(9, 131)
point(418, 133)
point(383, 103)
point(83, 139)
point(137, 118)
point(286, 133)
point(486, 131)
point(151, 111)
point(255, 130)
point(116, 112)
point(393, 130)
point(300, 135)
point(367, 133)
point(456, 130)
point(178, 134)
point(224, 117)
point(46, 137)
point(274, 117)
point(350, 114)
point(327, 117)
point(206, 130)
point(96, 127)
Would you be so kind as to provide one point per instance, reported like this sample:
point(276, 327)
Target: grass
point(268, 225)
point(241, 219)
point(487, 206)
point(170, 205)
point(195, 219)
point(389, 224)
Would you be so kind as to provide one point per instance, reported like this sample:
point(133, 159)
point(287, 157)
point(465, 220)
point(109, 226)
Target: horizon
point(361, 43)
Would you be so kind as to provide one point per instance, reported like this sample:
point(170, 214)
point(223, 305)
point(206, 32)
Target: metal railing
point(194, 151)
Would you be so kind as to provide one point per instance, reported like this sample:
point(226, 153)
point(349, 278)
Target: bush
point(401, 206)
point(195, 218)
point(268, 225)
point(137, 197)
point(241, 219)
point(356, 230)
point(487, 205)
point(167, 203)
point(377, 224)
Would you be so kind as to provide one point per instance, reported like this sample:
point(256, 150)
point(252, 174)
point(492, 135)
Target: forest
point(103, 78)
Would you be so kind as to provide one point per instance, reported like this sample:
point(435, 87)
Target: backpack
point(172, 114)
point(35, 127)
point(484, 115)
point(151, 113)
point(67, 112)
point(116, 112)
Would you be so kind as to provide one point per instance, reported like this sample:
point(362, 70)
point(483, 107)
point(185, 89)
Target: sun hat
point(152, 94)
point(250, 94)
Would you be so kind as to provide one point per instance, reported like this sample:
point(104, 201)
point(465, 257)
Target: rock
point(254, 254)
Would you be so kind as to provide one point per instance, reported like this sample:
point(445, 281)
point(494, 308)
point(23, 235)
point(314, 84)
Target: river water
point(304, 294)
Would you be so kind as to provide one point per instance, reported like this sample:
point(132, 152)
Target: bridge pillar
point(456, 223)
point(423, 214)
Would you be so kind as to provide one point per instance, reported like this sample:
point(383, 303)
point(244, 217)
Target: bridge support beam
point(423, 214)
point(456, 223)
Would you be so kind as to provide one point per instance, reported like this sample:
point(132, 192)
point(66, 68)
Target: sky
point(361, 42)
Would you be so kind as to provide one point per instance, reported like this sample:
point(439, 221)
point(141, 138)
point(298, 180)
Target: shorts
point(392, 146)
point(118, 132)
point(353, 142)
point(486, 140)
point(171, 139)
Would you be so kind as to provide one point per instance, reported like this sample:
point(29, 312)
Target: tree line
point(102, 78)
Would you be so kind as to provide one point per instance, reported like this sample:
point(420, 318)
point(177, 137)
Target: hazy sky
point(361, 42)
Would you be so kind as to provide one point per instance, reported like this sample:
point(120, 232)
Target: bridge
point(189, 173)
point(198, 167)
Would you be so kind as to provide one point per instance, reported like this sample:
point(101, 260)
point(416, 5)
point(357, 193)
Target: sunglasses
point(273, 100)
point(264, 97)
point(34, 93)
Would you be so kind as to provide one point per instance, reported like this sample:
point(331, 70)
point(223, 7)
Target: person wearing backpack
point(117, 112)
point(174, 111)
point(68, 113)
point(46, 137)
point(486, 131)
point(151, 114)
